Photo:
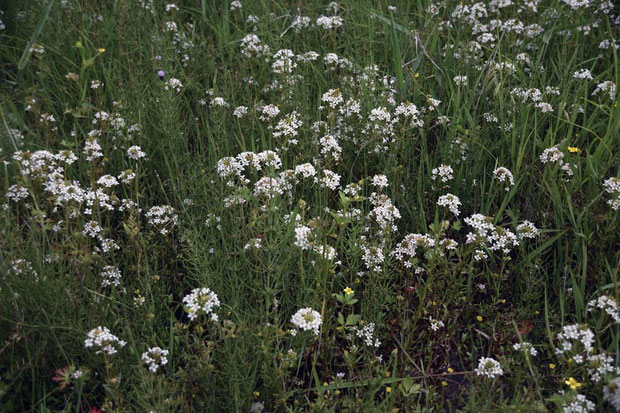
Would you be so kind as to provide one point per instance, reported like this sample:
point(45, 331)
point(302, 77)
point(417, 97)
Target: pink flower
point(62, 377)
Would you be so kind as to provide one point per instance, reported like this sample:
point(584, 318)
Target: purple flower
point(158, 57)
point(161, 74)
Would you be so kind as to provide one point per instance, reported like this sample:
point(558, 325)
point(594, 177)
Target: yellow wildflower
point(572, 383)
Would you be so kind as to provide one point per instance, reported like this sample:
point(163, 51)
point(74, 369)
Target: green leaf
point(23, 61)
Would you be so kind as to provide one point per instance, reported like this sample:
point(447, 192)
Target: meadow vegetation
point(290, 206)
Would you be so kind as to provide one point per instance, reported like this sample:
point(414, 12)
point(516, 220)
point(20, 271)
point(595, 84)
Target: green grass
point(51, 290)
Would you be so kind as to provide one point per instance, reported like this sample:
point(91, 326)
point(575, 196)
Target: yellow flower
point(572, 383)
point(573, 149)
point(388, 389)
point(101, 50)
point(450, 370)
point(479, 317)
point(551, 366)
point(348, 291)
point(417, 75)
point(256, 394)
point(444, 383)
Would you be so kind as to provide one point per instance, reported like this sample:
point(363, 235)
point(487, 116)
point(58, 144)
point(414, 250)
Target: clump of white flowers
point(583, 74)
point(575, 339)
point(436, 324)
point(505, 176)
point(111, 276)
point(155, 358)
point(612, 187)
point(367, 333)
point(251, 46)
point(611, 393)
point(303, 236)
point(489, 367)
point(598, 366)
point(527, 230)
point(525, 347)
point(443, 173)
point(201, 301)
point(240, 111)
point(379, 181)
point(307, 319)
point(173, 84)
point(452, 202)
point(105, 341)
point(606, 304)
point(577, 404)
point(607, 87)
point(135, 152)
point(460, 80)
point(487, 234)
point(329, 22)
point(162, 217)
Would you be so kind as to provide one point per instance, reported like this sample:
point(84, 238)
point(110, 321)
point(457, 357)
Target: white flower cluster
point(489, 367)
point(173, 84)
point(552, 155)
point(22, 267)
point(598, 366)
point(452, 202)
point(331, 147)
point(527, 230)
point(606, 304)
point(379, 181)
point(307, 319)
point(303, 236)
point(525, 347)
point(485, 233)
point(288, 126)
point(460, 80)
point(201, 301)
point(105, 341)
point(162, 217)
point(607, 87)
point(284, 62)
point(575, 339)
point(583, 74)
point(505, 176)
point(612, 187)
point(443, 173)
point(577, 404)
point(111, 276)
point(240, 111)
point(373, 257)
point(367, 333)
point(16, 193)
point(407, 248)
point(611, 393)
point(92, 149)
point(155, 358)
point(333, 97)
point(330, 180)
point(408, 110)
point(251, 46)
point(135, 152)
point(436, 324)
point(329, 22)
